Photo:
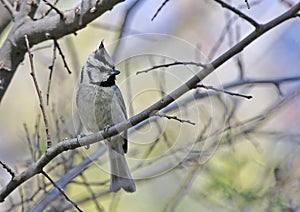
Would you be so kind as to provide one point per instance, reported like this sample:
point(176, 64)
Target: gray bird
point(100, 104)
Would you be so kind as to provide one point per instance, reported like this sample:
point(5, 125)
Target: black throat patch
point(109, 82)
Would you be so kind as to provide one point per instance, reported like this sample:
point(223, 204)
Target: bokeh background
point(240, 155)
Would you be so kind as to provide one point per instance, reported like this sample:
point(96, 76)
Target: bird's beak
point(115, 72)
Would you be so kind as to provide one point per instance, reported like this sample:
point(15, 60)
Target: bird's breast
point(94, 105)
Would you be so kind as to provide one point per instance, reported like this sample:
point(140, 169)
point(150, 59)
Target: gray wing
point(121, 102)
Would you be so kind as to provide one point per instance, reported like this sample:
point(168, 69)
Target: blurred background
point(228, 153)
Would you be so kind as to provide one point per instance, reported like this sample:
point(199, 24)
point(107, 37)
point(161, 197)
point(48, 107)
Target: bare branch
point(52, 6)
point(9, 170)
point(22, 198)
point(92, 193)
point(287, 3)
point(10, 8)
point(46, 13)
point(62, 56)
point(223, 91)
point(171, 64)
point(64, 180)
point(184, 186)
point(247, 3)
point(128, 14)
point(29, 142)
point(51, 67)
point(39, 92)
point(26, 9)
point(5, 16)
point(239, 13)
point(50, 27)
point(159, 9)
point(226, 29)
point(275, 81)
point(60, 190)
point(174, 118)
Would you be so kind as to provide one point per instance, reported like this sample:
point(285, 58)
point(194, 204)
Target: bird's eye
point(102, 69)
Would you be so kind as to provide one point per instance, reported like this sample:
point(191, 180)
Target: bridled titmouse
point(100, 104)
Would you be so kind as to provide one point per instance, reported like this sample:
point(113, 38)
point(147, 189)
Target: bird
point(100, 104)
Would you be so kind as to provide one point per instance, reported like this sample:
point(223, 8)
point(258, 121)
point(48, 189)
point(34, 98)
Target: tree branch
point(150, 111)
point(223, 91)
point(62, 56)
point(159, 9)
point(9, 7)
point(159, 114)
point(61, 191)
point(166, 65)
point(39, 93)
point(59, 12)
point(239, 13)
point(50, 27)
point(8, 169)
point(64, 180)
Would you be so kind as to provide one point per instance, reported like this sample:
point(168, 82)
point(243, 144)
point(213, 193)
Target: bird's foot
point(78, 138)
point(106, 128)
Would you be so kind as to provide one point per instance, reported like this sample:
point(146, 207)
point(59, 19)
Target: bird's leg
point(78, 138)
point(106, 128)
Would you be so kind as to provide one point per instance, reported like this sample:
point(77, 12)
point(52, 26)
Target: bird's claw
point(106, 128)
point(78, 138)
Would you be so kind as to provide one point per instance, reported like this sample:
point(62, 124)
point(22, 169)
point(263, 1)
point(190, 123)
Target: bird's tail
point(120, 173)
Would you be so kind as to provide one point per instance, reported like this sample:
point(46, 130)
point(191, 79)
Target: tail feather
point(120, 173)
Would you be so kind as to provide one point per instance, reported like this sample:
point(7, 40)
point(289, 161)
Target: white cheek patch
point(97, 76)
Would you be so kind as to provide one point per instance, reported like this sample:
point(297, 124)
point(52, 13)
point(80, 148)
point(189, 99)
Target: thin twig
point(97, 2)
point(46, 13)
point(37, 137)
point(222, 36)
point(62, 56)
point(22, 199)
point(29, 141)
point(159, 9)
point(226, 29)
point(187, 183)
point(175, 118)
point(128, 87)
point(288, 3)
point(171, 64)
point(69, 177)
point(223, 91)
point(84, 200)
point(91, 193)
point(248, 5)
point(125, 21)
point(9, 170)
point(239, 58)
point(10, 8)
point(52, 6)
point(51, 67)
point(277, 82)
point(60, 190)
point(113, 206)
point(239, 13)
point(39, 92)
